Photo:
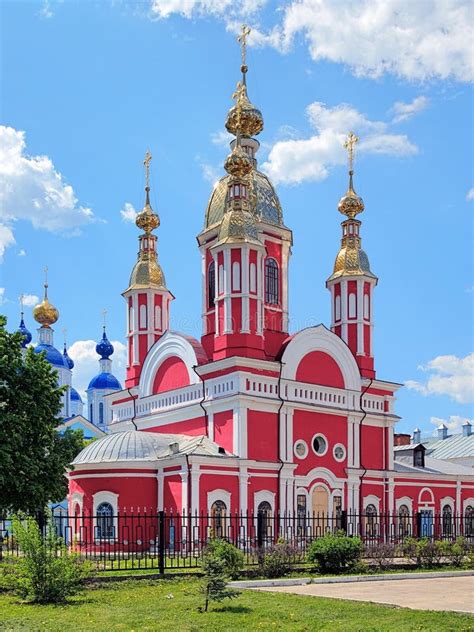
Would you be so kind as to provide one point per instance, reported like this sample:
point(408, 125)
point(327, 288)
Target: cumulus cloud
point(46, 10)
point(128, 213)
point(209, 172)
point(86, 363)
point(32, 189)
point(293, 161)
point(417, 41)
point(2, 295)
point(470, 194)
point(402, 111)
point(22, 253)
point(221, 138)
point(218, 8)
point(30, 299)
point(454, 423)
point(449, 375)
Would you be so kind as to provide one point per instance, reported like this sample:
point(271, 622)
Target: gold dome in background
point(238, 163)
point(45, 313)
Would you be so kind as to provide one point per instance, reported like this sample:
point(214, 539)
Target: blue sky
point(88, 87)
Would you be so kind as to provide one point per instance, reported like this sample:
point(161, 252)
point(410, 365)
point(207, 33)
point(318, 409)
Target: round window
point(320, 445)
point(339, 452)
point(301, 449)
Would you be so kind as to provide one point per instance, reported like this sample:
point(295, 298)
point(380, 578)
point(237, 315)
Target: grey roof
point(135, 445)
point(409, 446)
point(453, 447)
point(432, 466)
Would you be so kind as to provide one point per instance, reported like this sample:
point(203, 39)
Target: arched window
point(447, 518)
point(101, 413)
point(142, 316)
point(469, 521)
point(338, 307)
point(352, 305)
point(403, 521)
point(236, 276)
point(105, 521)
point(371, 521)
point(130, 318)
point(157, 317)
point(265, 511)
point(218, 513)
point(272, 290)
point(211, 285)
point(366, 307)
point(301, 513)
point(253, 278)
point(91, 413)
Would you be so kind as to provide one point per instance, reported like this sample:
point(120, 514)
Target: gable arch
point(170, 345)
point(321, 339)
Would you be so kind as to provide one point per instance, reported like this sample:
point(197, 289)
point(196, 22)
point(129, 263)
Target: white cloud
point(46, 10)
point(294, 161)
point(128, 213)
point(449, 375)
point(402, 111)
point(2, 295)
point(22, 253)
point(30, 299)
point(454, 423)
point(210, 173)
point(415, 40)
point(86, 363)
point(470, 194)
point(222, 138)
point(193, 8)
point(32, 189)
point(6, 238)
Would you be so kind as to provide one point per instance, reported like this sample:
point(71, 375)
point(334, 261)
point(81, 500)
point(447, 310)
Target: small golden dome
point(147, 220)
point(238, 163)
point(251, 119)
point(350, 204)
point(45, 313)
point(238, 226)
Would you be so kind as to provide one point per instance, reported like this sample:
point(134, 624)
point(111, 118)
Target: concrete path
point(451, 593)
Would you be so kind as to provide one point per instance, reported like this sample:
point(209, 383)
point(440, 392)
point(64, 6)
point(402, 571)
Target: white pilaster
point(245, 290)
point(360, 317)
point(344, 314)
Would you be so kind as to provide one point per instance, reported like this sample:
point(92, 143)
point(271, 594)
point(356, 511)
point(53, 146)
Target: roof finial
point(242, 39)
point(46, 282)
point(146, 163)
point(22, 296)
point(65, 337)
point(104, 317)
point(350, 143)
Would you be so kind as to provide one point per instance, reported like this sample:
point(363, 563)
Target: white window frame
point(142, 316)
point(404, 500)
point(262, 496)
point(105, 497)
point(236, 276)
point(320, 434)
point(305, 446)
point(352, 305)
point(371, 499)
point(428, 504)
point(339, 445)
point(219, 494)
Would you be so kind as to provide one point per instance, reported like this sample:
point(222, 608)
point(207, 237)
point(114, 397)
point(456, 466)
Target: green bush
point(232, 558)
point(382, 553)
point(335, 552)
point(277, 560)
point(45, 572)
point(455, 551)
point(424, 552)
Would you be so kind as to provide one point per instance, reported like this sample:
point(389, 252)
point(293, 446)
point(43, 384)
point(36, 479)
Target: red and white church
point(253, 417)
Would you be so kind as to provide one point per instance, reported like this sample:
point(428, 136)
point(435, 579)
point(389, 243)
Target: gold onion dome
point(238, 163)
point(251, 119)
point(147, 220)
point(45, 313)
point(350, 204)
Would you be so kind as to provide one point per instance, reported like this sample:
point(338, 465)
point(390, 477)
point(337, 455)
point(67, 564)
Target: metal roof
point(453, 447)
point(435, 466)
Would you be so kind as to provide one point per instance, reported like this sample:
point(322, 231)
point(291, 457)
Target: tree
point(33, 455)
point(215, 580)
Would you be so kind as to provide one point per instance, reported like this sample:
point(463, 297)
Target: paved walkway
point(450, 593)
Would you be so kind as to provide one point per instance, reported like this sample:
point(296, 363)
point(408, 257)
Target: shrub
point(455, 551)
point(423, 552)
point(46, 572)
point(230, 555)
point(382, 554)
point(335, 552)
point(215, 580)
point(277, 560)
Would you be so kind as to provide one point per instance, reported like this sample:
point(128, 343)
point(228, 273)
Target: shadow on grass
point(234, 609)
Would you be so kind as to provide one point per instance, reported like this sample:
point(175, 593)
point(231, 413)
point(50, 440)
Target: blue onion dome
point(67, 360)
point(105, 381)
point(52, 355)
point(75, 397)
point(104, 347)
point(24, 332)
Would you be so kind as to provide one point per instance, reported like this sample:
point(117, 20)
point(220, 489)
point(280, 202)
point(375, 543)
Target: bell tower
point(147, 297)
point(352, 283)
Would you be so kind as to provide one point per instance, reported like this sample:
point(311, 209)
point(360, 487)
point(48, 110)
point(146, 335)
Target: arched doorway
point(320, 500)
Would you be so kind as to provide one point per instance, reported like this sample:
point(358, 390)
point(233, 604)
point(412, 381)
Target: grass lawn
point(172, 606)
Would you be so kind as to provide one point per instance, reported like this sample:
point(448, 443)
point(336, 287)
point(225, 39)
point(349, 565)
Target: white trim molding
point(371, 499)
point(426, 502)
point(219, 494)
point(261, 497)
point(447, 500)
point(320, 338)
point(404, 500)
point(319, 435)
point(106, 497)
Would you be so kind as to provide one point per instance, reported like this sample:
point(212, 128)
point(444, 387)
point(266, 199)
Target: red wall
point(223, 430)
point(170, 375)
point(262, 432)
point(318, 367)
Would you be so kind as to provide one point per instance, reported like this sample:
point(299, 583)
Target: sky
point(88, 87)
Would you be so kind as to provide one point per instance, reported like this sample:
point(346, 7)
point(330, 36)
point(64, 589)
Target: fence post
point(260, 519)
point(161, 542)
point(418, 524)
point(344, 521)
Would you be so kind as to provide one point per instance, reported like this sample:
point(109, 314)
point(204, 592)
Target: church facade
point(252, 418)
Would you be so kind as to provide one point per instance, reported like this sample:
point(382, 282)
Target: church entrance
point(320, 500)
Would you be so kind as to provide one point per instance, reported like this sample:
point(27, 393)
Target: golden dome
point(351, 260)
point(251, 119)
point(45, 313)
point(238, 226)
point(238, 163)
point(147, 273)
point(350, 204)
point(147, 220)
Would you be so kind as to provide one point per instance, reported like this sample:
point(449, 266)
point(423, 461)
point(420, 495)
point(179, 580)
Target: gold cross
point(352, 139)
point(242, 39)
point(104, 315)
point(146, 162)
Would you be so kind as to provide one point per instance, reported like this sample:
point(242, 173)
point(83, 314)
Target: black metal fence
point(166, 540)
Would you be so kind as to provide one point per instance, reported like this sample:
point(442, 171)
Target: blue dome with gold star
point(104, 347)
